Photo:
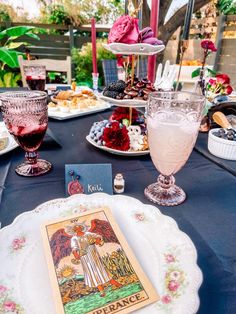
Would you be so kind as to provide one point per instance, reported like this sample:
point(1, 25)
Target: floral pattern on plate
point(7, 304)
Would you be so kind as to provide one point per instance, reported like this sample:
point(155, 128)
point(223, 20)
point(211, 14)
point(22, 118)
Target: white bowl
point(220, 147)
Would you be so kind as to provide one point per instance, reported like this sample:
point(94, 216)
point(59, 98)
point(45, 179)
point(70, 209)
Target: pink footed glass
point(173, 120)
point(25, 115)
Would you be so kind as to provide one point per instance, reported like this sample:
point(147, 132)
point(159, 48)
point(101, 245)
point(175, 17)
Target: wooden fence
point(56, 46)
point(221, 29)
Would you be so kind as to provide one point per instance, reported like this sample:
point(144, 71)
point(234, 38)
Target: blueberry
point(221, 133)
point(230, 137)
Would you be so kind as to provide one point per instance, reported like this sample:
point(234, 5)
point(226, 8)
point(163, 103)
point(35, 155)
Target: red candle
point(154, 26)
point(94, 50)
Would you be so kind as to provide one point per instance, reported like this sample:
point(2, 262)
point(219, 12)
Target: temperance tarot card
point(92, 268)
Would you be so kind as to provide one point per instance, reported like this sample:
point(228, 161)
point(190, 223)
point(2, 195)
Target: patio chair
point(50, 64)
point(141, 71)
point(110, 71)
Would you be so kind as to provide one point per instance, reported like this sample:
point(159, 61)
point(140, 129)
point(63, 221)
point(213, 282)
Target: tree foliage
point(79, 12)
point(226, 6)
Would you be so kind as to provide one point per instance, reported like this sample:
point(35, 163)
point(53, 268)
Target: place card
point(88, 178)
point(91, 266)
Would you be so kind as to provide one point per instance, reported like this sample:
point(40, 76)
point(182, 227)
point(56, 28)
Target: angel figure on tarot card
point(82, 242)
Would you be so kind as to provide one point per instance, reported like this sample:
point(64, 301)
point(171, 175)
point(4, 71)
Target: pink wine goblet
point(25, 115)
point(173, 120)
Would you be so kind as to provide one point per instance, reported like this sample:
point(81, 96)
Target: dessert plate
point(11, 142)
point(166, 254)
point(124, 102)
point(117, 152)
point(58, 115)
point(131, 49)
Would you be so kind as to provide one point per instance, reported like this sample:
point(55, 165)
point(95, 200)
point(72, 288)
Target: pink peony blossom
point(173, 285)
point(166, 299)
point(2, 289)
point(9, 306)
point(124, 30)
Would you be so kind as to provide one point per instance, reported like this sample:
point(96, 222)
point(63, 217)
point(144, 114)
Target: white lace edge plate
point(166, 254)
point(125, 102)
point(134, 49)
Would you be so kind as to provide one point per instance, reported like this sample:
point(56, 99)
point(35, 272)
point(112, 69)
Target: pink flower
point(18, 243)
point(169, 258)
point(173, 285)
point(166, 299)
point(9, 306)
point(139, 217)
point(124, 30)
point(2, 289)
point(222, 78)
point(208, 45)
point(228, 90)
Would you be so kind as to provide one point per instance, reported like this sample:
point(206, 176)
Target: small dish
point(220, 147)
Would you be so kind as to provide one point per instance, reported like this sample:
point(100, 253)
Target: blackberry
point(112, 87)
point(111, 94)
point(120, 86)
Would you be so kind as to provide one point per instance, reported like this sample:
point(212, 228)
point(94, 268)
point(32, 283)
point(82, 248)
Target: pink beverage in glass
point(35, 76)
point(171, 137)
point(173, 120)
point(25, 115)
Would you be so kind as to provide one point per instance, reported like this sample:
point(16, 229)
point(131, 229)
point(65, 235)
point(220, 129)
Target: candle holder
point(95, 81)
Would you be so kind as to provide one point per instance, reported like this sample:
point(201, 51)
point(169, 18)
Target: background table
point(208, 215)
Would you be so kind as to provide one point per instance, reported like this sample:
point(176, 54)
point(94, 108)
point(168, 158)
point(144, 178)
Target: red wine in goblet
point(25, 115)
point(35, 76)
point(36, 82)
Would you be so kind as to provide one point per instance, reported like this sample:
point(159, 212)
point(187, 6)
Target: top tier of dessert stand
point(140, 49)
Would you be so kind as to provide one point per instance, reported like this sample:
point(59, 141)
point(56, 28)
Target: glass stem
point(31, 157)
point(165, 181)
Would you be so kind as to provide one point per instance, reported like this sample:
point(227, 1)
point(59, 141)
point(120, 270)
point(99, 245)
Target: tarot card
point(91, 267)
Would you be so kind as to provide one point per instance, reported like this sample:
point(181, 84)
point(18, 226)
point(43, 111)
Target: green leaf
point(196, 73)
point(14, 45)
point(1, 83)
point(32, 35)
point(7, 78)
point(18, 31)
point(9, 57)
point(211, 72)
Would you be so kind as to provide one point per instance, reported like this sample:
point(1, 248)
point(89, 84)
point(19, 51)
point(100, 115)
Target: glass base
point(32, 170)
point(164, 192)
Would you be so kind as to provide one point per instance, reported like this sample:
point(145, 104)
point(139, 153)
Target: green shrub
point(82, 58)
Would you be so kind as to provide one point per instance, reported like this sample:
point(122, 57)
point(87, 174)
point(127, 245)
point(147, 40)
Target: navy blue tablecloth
point(208, 215)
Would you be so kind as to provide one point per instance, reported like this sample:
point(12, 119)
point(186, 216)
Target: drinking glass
point(25, 115)
point(173, 120)
point(35, 76)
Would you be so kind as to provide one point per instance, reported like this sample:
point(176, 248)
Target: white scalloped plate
point(11, 142)
point(118, 152)
point(134, 49)
point(124, 102)
point(166, 254)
